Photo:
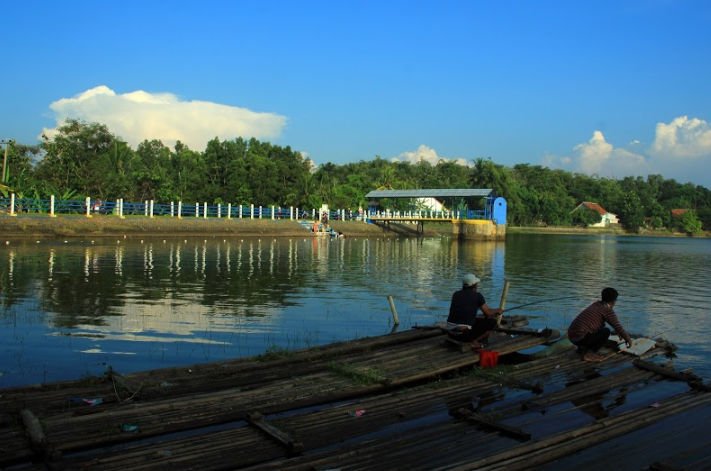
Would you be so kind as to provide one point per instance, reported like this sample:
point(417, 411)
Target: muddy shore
point(66, 226)
point(43, 227)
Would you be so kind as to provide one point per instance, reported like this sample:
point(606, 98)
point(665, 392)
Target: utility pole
point(6, 143)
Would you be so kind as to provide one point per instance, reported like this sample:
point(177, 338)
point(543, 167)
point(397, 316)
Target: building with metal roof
point(466, 202)
point(430, 193)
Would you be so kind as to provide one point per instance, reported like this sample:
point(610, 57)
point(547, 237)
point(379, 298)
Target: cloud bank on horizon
point(427, 154)
point(137, 116)
point(680, 149)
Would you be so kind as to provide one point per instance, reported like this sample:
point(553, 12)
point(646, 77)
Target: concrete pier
point(478, 229)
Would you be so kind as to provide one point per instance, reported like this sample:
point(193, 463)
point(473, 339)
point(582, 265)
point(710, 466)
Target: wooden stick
point(481, 420)
point(695, 382)
point(502, 303)
point(396, 320)
point(257, 419)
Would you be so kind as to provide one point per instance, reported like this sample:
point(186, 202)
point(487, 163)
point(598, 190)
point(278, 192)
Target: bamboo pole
point(502, 303)
point(396, 319)
point(479, 419)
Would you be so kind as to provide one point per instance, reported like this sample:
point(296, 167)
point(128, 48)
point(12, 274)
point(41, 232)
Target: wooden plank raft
point(397, 361)
point(381, 408)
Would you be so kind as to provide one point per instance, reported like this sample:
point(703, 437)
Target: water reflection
point(69, 308)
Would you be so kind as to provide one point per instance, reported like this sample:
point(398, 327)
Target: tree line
point(86, 159)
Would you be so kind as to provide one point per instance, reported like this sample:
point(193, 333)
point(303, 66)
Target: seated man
point(462, 323)
point(588, 331)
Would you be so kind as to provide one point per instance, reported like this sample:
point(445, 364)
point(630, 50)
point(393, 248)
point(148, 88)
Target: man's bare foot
point(476, 345)
point(593, 357)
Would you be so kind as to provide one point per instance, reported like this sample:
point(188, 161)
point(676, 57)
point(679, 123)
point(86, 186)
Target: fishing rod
point(538, 302)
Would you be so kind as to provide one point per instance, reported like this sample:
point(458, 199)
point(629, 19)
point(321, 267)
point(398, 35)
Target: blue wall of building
point(499, 211)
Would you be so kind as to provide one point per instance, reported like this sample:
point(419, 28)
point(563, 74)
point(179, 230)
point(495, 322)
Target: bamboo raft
point(407, 400)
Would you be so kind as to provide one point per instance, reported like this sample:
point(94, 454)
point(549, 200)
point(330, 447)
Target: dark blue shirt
point(465, 304)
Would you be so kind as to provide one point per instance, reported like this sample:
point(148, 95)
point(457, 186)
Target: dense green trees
point(86, 159)
point(689, 223)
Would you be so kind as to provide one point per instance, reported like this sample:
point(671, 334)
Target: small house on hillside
point(606, 218)
point(678, 213)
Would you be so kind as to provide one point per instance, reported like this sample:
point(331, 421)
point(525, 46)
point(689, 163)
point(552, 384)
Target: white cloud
point(601, 158)
point(427, 154)
point(307, 157)
point(139, 115)
point(683, 138)
point(681, 150)
point(593, 154)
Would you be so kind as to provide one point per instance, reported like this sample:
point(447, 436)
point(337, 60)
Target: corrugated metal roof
point(429, 193)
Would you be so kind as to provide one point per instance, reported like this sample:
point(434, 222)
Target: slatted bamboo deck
point(402, 401)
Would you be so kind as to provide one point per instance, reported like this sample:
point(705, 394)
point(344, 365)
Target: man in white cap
point(462, 323)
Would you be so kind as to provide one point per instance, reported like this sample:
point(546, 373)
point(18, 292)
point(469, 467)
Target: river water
point(73, 308)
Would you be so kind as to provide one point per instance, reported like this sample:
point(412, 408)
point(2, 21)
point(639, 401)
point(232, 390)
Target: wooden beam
point(457, 345)
point(479, 419)
point(694, 382)
point(257, 419)
point(33, 427)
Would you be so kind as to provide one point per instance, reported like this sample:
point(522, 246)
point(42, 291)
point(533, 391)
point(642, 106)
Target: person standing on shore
point(588, 331)
point(462, 323)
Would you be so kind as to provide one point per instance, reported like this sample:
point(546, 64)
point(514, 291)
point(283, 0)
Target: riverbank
point(111, 226)
point(618, 231)
point(42, 227)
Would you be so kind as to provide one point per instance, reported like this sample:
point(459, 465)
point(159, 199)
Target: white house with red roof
point(606, 218)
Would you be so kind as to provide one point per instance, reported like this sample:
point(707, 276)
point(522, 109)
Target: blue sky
point(610, 88)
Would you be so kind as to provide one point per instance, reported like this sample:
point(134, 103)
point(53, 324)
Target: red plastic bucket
point(488, 358)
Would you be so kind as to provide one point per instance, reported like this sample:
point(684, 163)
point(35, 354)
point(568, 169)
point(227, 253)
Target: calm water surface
point(69, 309)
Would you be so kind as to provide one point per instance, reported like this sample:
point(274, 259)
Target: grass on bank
point(43, 226)
point(109, 225)
point(617, 230)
